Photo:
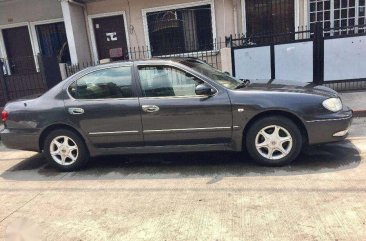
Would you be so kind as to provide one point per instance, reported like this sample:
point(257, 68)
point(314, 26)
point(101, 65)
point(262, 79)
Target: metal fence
point(300, 33)
point(209, 53)
point(19, 77)
point(243, 40)
point(318, 35)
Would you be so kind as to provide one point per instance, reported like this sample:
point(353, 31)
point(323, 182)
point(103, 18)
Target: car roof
point(148, 61)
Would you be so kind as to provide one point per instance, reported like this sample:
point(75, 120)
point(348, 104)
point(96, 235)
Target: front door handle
point(76, 111)
point(150, 108)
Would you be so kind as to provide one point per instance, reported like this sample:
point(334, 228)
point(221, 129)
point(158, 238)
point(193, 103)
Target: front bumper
point(329, 129)
point(20, 140)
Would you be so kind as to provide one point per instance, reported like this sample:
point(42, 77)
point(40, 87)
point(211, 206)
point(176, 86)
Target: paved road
point(206, 196)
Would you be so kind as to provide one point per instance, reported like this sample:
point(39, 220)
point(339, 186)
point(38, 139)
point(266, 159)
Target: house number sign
point(111, 36)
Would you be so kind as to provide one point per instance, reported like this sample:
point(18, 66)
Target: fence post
point(273, 59)
point(63, 71)
point(226, 60)
point(229, 41)
point(318, 54)
point(3, 83)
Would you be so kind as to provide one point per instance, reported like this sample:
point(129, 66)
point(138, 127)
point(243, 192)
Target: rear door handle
point(76, 111)
point(150, 108)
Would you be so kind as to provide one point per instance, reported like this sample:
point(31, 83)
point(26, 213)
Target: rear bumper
point(330, 129)
point(20, 140)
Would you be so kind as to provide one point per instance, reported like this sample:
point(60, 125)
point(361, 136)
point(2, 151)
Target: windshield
point(214, 74)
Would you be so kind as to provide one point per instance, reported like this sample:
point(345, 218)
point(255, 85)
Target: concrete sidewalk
point(356, 100)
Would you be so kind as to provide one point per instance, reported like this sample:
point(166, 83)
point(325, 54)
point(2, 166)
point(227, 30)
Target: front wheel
point(274, 141)
point(65, 150)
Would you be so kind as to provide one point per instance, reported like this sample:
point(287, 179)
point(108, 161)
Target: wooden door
point(110, 37)
point(19, 50)
point(270, 17)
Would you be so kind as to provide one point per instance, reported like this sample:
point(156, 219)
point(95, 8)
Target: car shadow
point(217, 165)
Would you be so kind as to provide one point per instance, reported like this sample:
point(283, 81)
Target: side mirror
point(204, 89)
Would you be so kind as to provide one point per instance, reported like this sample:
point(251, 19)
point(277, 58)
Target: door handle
point(150, 108)
point(76, 111)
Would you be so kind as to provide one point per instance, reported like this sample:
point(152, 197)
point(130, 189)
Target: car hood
point(278, 85)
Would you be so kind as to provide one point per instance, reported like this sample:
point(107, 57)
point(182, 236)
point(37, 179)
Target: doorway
point(19, 50)
point(110, 37)
point(269, 17)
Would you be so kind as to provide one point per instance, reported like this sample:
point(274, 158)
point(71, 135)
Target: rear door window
point(104, 84)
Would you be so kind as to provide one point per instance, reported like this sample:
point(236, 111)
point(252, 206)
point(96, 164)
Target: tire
point(70, 157)
point(267, 135)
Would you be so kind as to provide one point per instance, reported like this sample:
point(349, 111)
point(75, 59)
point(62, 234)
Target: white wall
point(294, 61)
point(224, 15)
point(253, 63)
point(76, 31)
point(344, 58)
point(17, 11)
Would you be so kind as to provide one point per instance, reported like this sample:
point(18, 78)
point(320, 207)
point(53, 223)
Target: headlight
point(333, 104)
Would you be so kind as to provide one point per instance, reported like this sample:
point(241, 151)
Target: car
point(173, 105)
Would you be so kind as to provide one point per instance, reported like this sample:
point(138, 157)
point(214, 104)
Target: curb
point(359, 113)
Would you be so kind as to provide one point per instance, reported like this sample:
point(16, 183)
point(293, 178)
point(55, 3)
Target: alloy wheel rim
point(64, 150)
point(273, 142)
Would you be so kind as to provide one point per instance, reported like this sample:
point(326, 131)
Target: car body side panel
point(187, 120)
point(108, 123)
point(304, 107)
point(205, 120)
point(29, 118)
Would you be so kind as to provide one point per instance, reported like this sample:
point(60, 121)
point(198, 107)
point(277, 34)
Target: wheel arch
point(57, 126)
point(297, 120)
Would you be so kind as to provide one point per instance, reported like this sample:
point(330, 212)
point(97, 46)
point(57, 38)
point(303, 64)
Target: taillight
point(4, 115)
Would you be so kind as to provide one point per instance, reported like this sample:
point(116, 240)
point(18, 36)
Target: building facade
point(78, 31)
point(90, 30)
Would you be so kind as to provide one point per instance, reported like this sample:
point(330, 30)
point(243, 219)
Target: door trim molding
point(112, 133)
point(95, 55)
point(188, 129)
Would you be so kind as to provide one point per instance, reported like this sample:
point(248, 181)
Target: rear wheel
point(274, 141)
point(65, 150)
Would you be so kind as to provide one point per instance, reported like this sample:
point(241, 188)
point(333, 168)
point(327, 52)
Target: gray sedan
point(172, 105)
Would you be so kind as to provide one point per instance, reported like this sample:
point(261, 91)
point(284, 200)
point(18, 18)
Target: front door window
point(161, 81)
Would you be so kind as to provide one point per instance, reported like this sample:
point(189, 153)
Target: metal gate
point(28, 81)
point(17, 84)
